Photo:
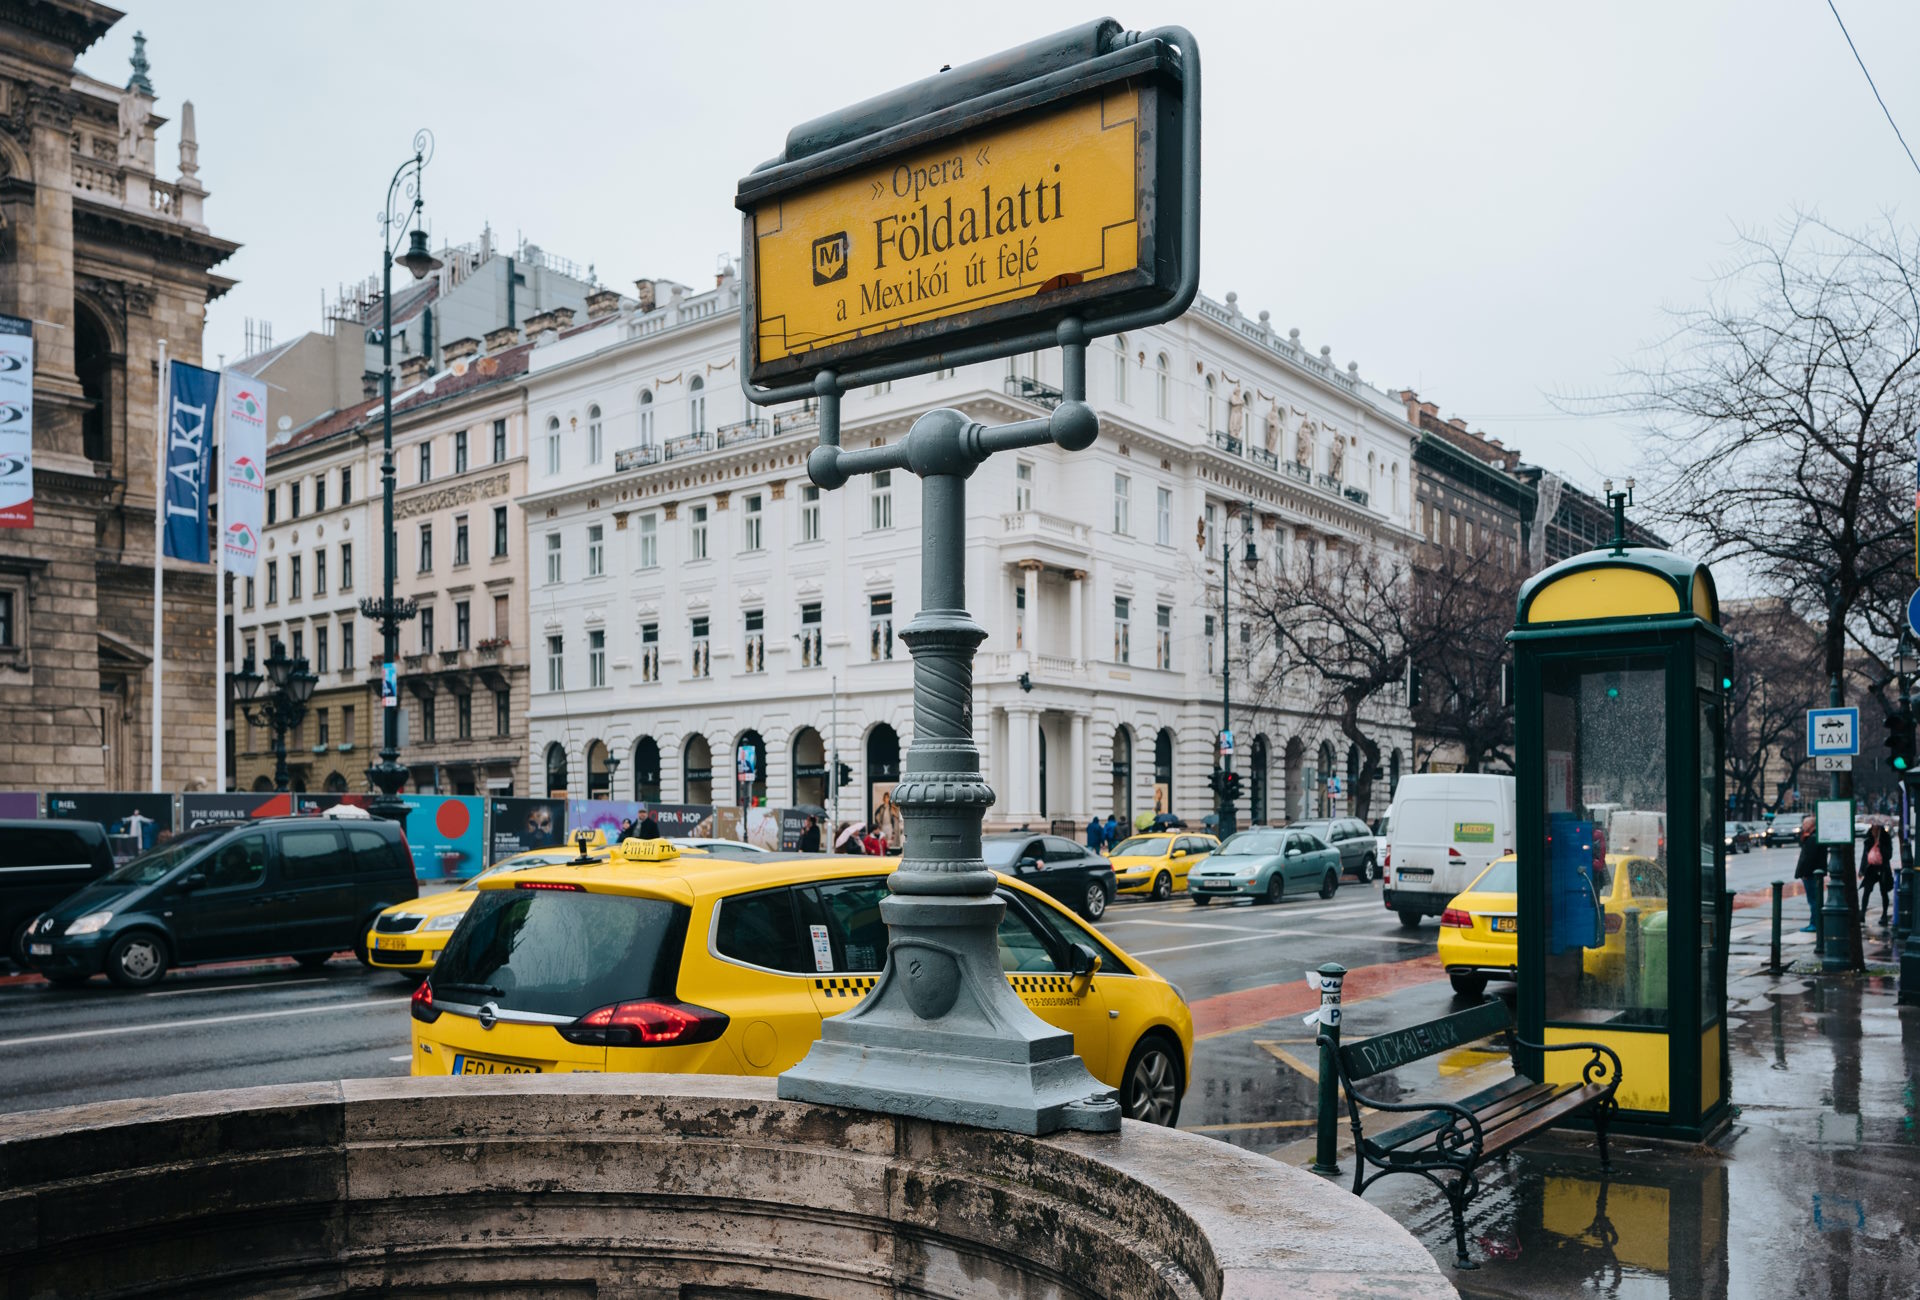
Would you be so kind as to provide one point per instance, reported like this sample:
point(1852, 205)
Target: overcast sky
point(1491, 203)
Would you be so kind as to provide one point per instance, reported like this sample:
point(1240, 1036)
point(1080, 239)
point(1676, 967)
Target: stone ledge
point(644, 1185)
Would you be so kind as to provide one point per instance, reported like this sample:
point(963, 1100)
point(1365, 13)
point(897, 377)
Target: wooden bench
point(1457, 1136)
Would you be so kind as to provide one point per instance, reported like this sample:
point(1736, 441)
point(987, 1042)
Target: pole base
point(942, 1036)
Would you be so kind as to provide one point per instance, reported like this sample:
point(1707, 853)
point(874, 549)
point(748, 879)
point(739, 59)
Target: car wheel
point(1369, 870)
point(1330, 884)
point(1201, 900)
point(1411, 920)
point(1468, 985)
point(1096, 905)
point(1150, 1092)
point(17, 946)
point(312, 960)
point(1276, 889)
point(137, 959)
point(1162, 887)
point(360, 943)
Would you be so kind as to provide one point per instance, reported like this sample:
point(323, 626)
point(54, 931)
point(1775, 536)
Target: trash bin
point(1653, 960)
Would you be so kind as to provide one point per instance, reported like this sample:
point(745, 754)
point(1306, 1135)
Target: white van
point(1447, 827)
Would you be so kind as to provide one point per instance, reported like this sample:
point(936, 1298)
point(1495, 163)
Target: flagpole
point(159, 552)
point(219, 476)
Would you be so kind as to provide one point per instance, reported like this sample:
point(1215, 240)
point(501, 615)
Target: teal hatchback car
point(1266, 865)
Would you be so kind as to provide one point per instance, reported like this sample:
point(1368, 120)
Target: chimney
point(503, 338)
point(414, 369)
point(457, 352)
point(538, 324)
point(643, 290)
point(369, 385)
point(561, 317)
point(603, 302)
point(1458, 424)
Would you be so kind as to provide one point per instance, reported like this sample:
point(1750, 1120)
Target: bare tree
point(1776, 679)
point(1462, 609)
point(1784, 412)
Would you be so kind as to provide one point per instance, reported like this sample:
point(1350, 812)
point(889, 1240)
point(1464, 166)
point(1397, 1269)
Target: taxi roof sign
point(649, 850)
point(965, 216)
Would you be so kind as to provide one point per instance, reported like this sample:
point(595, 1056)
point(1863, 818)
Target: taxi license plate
point(464, 1064)
point(39, 950)
point(1506, 924)
point(379, 942)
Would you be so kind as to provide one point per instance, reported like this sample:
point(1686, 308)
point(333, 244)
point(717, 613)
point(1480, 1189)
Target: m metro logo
point(830, 256)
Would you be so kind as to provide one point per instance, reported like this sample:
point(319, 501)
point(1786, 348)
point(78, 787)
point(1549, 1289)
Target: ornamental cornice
point(423, 501)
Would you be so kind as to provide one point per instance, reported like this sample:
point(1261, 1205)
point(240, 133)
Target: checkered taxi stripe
point(847, 986)
point(1025, 984)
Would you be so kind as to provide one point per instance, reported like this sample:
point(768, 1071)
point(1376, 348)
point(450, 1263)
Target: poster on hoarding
point(135, 822)
point(16, 422)
point(517, 825)
point(197, 810)
point(443, 830)
point(20, 805)
point(675, 820)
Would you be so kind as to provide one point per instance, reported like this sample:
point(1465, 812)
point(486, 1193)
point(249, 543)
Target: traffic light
point(1213, 780)
point(1900, 739)
point(1230, 781)
point(843, 775)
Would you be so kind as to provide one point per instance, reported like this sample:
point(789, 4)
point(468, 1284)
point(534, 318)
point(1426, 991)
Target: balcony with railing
point(692, 444)
point(743, 431)
point(1357, 495)
point(804, 420)
point(647, 453)
point(1032, 390)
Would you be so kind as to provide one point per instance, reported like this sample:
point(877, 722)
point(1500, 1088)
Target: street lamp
point(388, 775)
point(613, 769)
point(283, 708)
point(1222, 780)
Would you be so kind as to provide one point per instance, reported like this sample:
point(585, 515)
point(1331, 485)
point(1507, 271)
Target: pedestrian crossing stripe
point(847, 986)
point(1024, 984)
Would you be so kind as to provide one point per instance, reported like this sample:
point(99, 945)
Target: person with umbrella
point(810, 835)
point(849, 840)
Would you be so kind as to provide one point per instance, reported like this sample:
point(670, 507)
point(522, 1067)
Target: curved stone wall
point(654, 1186)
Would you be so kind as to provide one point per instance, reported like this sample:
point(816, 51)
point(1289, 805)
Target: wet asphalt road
point(1242, 967)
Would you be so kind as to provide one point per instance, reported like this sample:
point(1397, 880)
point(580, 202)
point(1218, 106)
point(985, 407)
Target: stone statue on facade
point(1303, 444)
point(1236, 411)
point(1337, 457)
point(1273, 425)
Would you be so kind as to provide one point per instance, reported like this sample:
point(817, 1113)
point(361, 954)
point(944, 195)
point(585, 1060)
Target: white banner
point(243, 478)
point(16, 422)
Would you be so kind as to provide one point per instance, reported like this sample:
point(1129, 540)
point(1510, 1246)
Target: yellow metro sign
point(973, 222)
point(884, 237)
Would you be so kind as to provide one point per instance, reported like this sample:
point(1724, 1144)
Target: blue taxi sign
point(1832, 732)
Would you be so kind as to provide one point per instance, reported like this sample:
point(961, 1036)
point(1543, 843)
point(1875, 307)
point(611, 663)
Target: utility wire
point(1876, 90)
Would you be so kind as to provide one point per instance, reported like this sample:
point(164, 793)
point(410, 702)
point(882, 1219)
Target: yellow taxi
point(1157, 864)
point(1479, 931)
point(643, 964)
point(407, 937)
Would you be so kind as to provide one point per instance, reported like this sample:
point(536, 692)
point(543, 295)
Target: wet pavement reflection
point(1813, 1194)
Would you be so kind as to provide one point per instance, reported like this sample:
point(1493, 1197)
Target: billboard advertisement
point(674, 819)
point(522, 824)
point(243, 473)
point(197, 810)
point(16, 422)
point(21, 804)
point(135, 822)
point(443, 830)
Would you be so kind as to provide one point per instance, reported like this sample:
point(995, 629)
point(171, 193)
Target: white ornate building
point(693, 595)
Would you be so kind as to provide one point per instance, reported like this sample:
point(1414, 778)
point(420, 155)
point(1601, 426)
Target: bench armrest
point(1595, 1070)
point(1464, 1131)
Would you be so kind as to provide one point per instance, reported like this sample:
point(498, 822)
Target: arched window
point(594, 440)
point(1122, 801)
point(556, 771)
point(646, 417)
point(646, 770)
point(696, 405)
point(1212, 403)
point(1163, 771)
point(1119, 367)
point(553, 444)
point(697, 760)
point(1163, 389)
point(599, 778)
point(1396, 485)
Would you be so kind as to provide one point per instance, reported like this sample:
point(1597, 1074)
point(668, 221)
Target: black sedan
point(1072, 873)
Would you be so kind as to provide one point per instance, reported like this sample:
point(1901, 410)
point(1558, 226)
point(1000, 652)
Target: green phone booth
point(1619, 662)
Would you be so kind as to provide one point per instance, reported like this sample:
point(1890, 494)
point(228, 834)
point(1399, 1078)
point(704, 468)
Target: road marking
point(404, 1056)
point(222, 988)
point(165, 1026)
point(1242, 1128)
point(1277, 934)
point(1340, 909)
point(1285, 1057)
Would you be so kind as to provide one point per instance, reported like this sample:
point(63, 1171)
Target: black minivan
point(303, 887)
point(41, 862)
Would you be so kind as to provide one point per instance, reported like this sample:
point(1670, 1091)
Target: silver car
point(1266, 865)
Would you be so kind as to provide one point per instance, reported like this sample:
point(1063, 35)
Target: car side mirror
point(1178, 853)
point(193, 880)
point(1083, 961)
point(1293, 853)
point(1027, 864)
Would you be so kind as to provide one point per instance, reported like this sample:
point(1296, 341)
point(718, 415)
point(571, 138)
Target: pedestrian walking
point(649, 828)
point(810, 835)
point(1111, 831)
point(1877, 869)
point(848, 840)
point(1812, 858)
point(1096, 833)
point(626, 828)
point(876, 846)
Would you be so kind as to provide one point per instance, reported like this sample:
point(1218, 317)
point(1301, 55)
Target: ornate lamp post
point(388, 775)
point(284, 707)
point(613, 770)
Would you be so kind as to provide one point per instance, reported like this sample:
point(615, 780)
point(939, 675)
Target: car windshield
point(1146, 846)
point(162, 858)
point(1250, 844)
point(1503, 877)
point(1001, 853)
point(1321, 829)
point(561, 953)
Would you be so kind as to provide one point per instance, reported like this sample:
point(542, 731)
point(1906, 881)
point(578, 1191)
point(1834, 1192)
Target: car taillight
point(1458, 918)
point(565, 885)
point(648, 1023)
point(1615, 923)
point(422, 1007)
point(1386, 858)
